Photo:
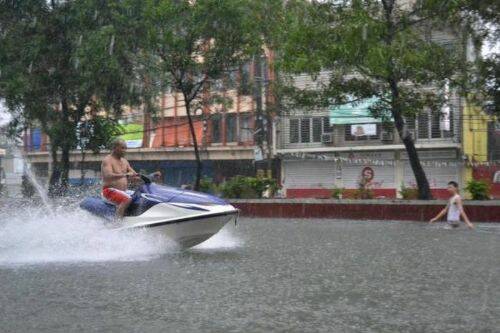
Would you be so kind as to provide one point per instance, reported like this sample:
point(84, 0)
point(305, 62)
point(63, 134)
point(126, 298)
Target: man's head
point(118, 147)
point(453, 187)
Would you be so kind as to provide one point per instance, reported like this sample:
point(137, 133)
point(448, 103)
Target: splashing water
point(38, 187)
point(32, 178)
point(71, 235)
point(223, 240)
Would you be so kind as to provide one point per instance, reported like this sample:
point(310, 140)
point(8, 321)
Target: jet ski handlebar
point(145, 179)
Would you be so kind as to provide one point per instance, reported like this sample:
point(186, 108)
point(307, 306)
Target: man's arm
point(130, 171)
point(107, 171)
point(462, 213)
point(441, 214)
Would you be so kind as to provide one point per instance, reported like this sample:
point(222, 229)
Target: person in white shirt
point(454, 208)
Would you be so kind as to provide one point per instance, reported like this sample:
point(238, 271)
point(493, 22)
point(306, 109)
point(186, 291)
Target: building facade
point(225, 134)
point(336, 148)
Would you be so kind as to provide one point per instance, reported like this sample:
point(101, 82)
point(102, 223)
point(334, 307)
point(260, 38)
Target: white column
point(398, 172)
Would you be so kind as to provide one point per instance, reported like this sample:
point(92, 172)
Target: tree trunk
point(65, 166)
point(65, 146)
point(195, 144)
point(55, 175)
point(424, 191)
point(261, 130)
point(82, 167)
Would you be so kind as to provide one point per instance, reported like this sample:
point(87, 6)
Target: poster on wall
point(363, 129)
point(133, 135)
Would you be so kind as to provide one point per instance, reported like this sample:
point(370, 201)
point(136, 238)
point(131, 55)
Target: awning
point(354, 113)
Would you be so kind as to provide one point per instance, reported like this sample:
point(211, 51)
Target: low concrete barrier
point(407, 210)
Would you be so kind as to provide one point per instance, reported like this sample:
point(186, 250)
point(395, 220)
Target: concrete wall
point(401, 210)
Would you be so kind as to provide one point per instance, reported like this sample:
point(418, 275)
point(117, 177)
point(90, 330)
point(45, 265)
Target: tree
point(381, 49)
point(269, 16)
point(197, 43)
point(64, 61)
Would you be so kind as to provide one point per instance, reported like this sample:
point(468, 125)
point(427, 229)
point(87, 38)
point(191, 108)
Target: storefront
point(315, 175)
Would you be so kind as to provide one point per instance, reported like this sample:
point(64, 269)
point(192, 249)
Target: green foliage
point(408, 193)
point(337, 193)
point(363, 193)
point(207, 185)
point(96, 133)
point(198, 43)
point(479, 190)
point(62, 62)
point(241, 187)
point(377, 49)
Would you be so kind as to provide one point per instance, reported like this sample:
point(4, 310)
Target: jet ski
point(187, 217)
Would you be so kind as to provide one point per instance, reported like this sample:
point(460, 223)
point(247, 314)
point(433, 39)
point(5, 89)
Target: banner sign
point(133, 135)
point(363, 129)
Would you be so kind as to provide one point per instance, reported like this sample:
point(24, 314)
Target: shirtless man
point(115, 173)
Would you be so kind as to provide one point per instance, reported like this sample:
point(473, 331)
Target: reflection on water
point(271, 276)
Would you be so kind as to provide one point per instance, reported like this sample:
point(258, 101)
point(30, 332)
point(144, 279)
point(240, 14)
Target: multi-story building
point(333, 147)
point(11, 167)
point(341, 146)
point(225, 135)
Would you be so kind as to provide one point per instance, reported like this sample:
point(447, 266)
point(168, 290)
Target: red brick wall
point(322, 193)
point(358, 211)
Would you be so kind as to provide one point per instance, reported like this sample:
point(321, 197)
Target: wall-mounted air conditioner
point(387, 136)
point(327, 138)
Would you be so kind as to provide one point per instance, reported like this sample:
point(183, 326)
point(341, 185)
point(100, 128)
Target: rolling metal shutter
point(309, 174)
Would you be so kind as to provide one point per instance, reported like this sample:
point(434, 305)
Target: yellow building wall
point(474, 137)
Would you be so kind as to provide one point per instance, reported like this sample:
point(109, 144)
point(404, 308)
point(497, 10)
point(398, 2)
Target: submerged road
point(264, 275)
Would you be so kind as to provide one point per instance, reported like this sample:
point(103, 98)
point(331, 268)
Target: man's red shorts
point(115, 196)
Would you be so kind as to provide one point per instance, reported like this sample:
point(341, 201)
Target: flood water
point(264, 275)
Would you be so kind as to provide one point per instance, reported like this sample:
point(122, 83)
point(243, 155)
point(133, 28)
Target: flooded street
point(260, 276)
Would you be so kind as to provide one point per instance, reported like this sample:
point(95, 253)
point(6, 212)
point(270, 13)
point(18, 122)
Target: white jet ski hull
point(181, 223)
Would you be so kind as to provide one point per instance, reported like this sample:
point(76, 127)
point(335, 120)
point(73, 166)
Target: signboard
point(363, 129)
point(133, 134)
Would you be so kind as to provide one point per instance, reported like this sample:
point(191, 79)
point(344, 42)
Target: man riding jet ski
point(186, 217)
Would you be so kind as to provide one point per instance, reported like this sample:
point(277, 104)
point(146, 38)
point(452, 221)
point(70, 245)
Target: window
point(294, 131)
point(245, 85)
point(317, 123)
point(230, 127)
point(305, 130)
point(423, 125)
point(435, 125)
point(216, 128)
point(327, 128)
point(246, 131)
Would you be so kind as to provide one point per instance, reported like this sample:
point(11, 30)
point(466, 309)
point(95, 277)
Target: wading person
point(454, 208)
point(116, 171)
